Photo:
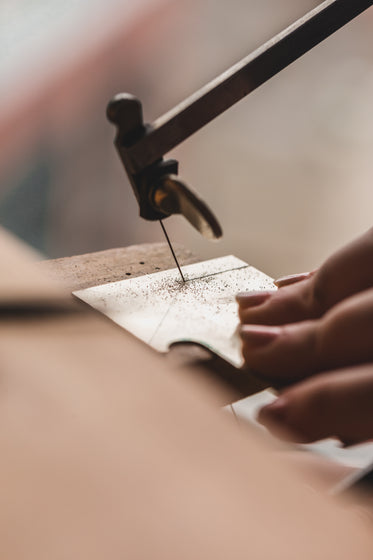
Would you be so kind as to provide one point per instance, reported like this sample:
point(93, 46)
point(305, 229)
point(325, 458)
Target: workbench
point(92, 269)
point(108, 450)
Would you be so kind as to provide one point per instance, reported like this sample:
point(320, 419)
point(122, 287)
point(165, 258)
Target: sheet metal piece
point(161, 310)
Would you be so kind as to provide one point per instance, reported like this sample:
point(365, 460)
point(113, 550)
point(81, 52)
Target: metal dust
point(161, 309)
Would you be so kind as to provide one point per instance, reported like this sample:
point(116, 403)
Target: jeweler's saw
point(157, 187)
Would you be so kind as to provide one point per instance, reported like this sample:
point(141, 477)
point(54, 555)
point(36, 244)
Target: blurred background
point(288, 171)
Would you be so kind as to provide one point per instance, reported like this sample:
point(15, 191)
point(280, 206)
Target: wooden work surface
point(92, 269)
point(110, 451)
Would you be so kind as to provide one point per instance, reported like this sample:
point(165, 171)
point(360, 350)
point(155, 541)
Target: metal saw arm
point(141, 147)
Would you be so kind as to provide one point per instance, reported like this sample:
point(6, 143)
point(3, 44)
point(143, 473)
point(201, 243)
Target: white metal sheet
point(160, 309)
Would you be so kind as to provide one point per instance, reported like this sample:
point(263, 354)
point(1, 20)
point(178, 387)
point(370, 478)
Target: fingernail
point(292, 279)
point(252, 299)
point(257, 335)
point(274, 412)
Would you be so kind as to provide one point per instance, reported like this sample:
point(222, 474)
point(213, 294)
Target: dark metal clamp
point(159, 191)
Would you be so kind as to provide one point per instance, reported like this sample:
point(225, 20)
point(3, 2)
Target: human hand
point(333, 404)
point(324, 321)
point(321, 323)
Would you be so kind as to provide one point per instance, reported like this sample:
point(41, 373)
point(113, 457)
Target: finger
point(337, 404)
point(347, 272)
point(290, 304)
point(281, 352)
point(342, 337)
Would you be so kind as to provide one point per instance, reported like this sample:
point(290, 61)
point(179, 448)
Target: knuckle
point(318, 293)
point(319, 400)
point(311, 411)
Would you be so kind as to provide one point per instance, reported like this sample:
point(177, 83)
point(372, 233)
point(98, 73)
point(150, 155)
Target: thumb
point(337, 404)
